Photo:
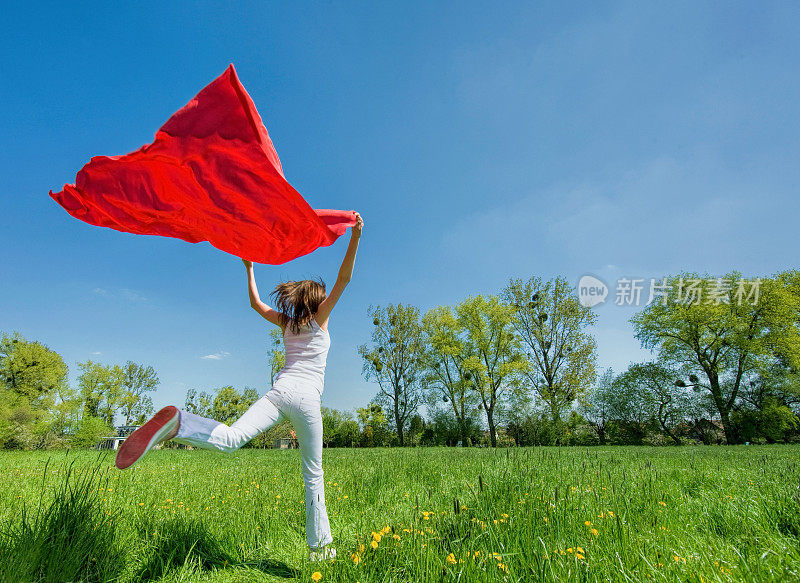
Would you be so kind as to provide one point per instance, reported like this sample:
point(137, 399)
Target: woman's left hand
point(358, 226)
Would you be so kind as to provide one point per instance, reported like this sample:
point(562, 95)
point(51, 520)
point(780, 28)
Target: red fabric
point(212, 174)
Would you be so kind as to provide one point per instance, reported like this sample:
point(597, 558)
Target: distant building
point(284, 443)
point(126, 430)
point(289, 442)
point(114, 441)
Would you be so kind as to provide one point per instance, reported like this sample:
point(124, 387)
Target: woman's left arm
point(255, 301)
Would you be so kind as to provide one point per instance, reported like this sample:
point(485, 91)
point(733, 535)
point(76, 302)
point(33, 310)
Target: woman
point(302, 312)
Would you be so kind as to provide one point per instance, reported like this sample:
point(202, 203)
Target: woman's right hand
point(358, 226)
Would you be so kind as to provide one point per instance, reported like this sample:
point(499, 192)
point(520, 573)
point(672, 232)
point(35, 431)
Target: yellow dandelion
point(579, 549)
point(587, 523)
point(594, 532)
point(545, 519)
point(396, 536)
point(662, 503)
point(579, 556)
point(451, 559)
point(356, 558)
point(316, 576)
point(374, 544)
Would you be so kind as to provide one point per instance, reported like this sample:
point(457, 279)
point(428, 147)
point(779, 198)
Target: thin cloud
point(131, 295)
point(123, 294)
point(216, 356)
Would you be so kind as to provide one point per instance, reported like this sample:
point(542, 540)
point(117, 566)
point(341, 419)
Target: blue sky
point(480, 141)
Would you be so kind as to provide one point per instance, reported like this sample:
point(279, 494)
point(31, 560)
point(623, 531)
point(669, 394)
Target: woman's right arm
point(255, 301)
point(345, 274)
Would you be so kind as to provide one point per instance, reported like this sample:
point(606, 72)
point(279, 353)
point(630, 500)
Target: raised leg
point(207, 433)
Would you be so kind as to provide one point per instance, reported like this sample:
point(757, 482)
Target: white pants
point(300, 403)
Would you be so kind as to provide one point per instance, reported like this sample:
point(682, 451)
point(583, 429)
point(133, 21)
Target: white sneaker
point(326, 553)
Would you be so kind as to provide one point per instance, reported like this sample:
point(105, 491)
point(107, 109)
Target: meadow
point(417, 514)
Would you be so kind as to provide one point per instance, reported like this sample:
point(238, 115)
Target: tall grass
point(702, 514)
point(70, 537)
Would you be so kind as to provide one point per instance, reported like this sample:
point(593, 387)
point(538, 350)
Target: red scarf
point(211, 174)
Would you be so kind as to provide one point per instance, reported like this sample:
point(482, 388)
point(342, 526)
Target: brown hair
point(297, 301)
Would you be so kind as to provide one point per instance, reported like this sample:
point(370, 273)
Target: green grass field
point(426, 514)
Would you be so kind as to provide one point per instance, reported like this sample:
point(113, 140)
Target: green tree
point(228, 405)
point(90, 430)
point(777, 422)
point(275, 355)
point(722, 330)
point(395, 361)
point(331, 419)
point(65, 412)
point(199, 403)
point(31, 379)
point(30, 369)
point(445, 376)
point(249, 396)
point(631, 409)
point(552, 325)
point(137, 380)
point(495, 359)
point(655, 385)
point(777, 379)
point(375, 429)
point(347, 433)
point(598, 405)
point(101, 389)
point(415, 428)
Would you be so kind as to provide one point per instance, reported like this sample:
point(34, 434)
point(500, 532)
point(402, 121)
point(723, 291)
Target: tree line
point(39, 408)
point(516, 367)
point(522, 362)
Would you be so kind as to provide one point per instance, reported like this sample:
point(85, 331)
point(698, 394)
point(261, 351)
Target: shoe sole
point(143, 439)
